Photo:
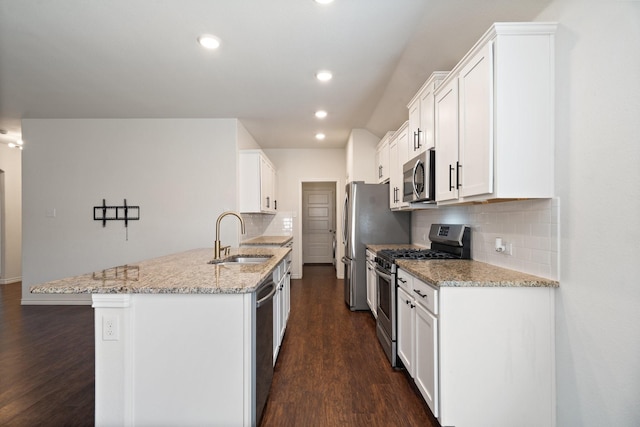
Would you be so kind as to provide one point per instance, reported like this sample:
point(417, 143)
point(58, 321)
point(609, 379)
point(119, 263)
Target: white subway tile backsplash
point(280, 224)
point(530, 226)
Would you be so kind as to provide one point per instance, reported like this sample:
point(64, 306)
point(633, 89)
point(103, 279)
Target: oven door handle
point(382, 274)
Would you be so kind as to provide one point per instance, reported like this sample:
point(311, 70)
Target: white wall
point(361, 156)
point(598, 182)
point(296, 166)
point(181, 172)
point(11, 215)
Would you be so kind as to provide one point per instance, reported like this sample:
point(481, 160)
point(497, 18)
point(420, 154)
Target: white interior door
point(318, 223)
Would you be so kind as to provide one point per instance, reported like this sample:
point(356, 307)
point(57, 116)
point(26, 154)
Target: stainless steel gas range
point(448, 241)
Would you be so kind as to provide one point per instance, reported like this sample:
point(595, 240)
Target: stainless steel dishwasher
point(263, 344)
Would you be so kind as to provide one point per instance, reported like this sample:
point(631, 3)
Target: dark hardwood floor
point(331, 370)
point(46, 363)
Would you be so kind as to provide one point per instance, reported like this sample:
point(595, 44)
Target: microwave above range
point(419, 178)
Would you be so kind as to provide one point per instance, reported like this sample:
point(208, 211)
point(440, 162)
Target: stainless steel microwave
point(419, 178)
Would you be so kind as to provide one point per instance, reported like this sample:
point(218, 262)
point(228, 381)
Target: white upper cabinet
point(257, 183)
point(398, 155)
point(421, 116)
point(382, 158)
point(494, 134)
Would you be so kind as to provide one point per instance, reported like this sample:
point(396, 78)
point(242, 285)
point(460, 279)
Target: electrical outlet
point(110, 330)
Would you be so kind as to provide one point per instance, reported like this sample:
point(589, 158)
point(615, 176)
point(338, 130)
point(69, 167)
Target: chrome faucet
point(217, 248)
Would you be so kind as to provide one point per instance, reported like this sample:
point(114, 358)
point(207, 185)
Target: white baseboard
point(10, 280)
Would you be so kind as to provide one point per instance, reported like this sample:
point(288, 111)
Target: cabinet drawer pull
point(400, 279)
point(417, 291)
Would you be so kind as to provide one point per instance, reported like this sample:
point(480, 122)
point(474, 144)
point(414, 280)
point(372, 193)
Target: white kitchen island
point(175, 338)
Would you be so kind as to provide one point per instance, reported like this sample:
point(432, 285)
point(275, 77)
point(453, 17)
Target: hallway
point(331, 370)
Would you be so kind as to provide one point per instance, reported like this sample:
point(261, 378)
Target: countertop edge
point(470, 273)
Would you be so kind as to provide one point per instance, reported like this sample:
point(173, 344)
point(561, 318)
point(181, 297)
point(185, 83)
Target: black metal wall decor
point(124, 213)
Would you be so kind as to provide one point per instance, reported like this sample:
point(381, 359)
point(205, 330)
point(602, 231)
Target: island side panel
point(186, 361)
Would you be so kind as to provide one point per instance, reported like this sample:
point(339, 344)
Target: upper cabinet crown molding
point(494, 118)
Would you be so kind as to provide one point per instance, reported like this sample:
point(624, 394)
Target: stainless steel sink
point(242, 259)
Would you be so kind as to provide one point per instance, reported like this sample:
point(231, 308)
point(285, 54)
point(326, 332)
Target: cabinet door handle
point(380, 171)
point(275, 204)
point(458, 166)
point(418, 137)
point(450, 175)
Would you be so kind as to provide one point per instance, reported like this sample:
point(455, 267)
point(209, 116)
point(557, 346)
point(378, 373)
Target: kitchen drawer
point(370, 255)
point(425, 295)
point(405, 281)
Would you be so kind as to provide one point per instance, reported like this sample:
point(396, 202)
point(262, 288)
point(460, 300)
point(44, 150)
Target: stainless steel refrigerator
point(367, 219)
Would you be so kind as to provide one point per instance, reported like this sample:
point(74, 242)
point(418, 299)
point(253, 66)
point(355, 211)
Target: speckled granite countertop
point(377, 247)
point(268, 240)
point(469, 273)
point(182, 273)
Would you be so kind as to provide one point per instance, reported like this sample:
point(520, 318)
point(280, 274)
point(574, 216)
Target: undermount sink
point(242, 259)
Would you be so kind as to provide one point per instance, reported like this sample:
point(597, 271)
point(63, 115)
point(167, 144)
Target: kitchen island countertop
point(267, 240)
point(181, 273)
point(469, 273)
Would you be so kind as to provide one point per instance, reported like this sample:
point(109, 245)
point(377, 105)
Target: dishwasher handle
point(267, 297)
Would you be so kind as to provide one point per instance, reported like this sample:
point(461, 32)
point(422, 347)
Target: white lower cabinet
point(480, 356)
point(281, 304)
point(406, 328)
point(425, 367)
point(418, 335)
point(372, 280)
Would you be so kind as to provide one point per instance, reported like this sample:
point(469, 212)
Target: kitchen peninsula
point(175, 336)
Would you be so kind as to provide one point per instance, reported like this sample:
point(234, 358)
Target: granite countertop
point(182, 273)
point(379, 247)
point(268, 240)
point(469, 273)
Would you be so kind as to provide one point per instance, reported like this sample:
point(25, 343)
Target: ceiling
point(140, 59)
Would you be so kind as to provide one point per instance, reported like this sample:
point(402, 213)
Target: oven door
point(385, 323)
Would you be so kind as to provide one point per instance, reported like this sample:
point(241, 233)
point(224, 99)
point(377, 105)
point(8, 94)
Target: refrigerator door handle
point(345, 260)
point(344, 219)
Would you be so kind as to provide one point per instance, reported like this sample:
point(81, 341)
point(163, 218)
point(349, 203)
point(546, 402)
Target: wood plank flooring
point(331, 370)
point(46, 363)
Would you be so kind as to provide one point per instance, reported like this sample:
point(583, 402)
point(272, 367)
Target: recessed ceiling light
point(324, 1)
point(324, 75)
point(321, 114)
point(320, 136)
point(208, 41)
